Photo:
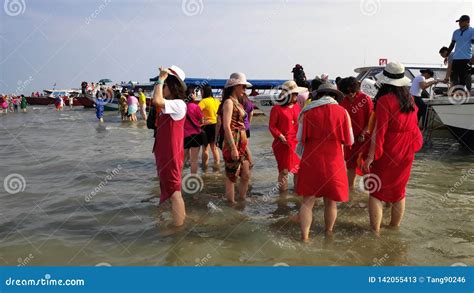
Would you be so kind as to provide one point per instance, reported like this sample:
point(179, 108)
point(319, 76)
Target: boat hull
point(85, 101)
point(264, 103)
point(458, 118)
point(39, 101)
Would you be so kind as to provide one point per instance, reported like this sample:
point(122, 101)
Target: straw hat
point(178, 73)
point(328, 87)
point(237, 78)
point(291, 87)
point(287, 89)
point(394, 74)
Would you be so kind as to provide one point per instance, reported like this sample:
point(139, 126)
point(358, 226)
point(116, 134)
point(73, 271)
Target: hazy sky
point(43, 42)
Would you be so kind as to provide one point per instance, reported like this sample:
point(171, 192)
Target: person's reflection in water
point(101, 128)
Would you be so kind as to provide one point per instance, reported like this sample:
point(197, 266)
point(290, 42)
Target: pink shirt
point(132, 100)
point(193, 120)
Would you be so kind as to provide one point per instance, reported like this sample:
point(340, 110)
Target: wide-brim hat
point(290, 86)
point(178, 73)
point(394, 74)
point(328, 87)
point(237, 78)
point(287, 89)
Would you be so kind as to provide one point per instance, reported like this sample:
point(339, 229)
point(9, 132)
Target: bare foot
point(393, 227)
point(376, 232)
point(170, 229)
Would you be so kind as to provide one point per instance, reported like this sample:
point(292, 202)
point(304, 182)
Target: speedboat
point(457, 114)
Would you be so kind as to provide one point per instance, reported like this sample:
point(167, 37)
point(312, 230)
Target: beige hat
point(394, 74)
point(328, 87)
point(237, 78)
point(287, 89)
point(292, 87)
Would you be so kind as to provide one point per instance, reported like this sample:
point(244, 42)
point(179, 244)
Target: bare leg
point(244, 179)
point(186, 155)
point(351, 176)
point(398, 209)
point(306, 216)
point(330, 214)
point(178, 209)
point(205, 156)
point(143, 112)
point(229, 190)
point(283, 180)
point(194, 160)
point(375, 214)
point(215, 154)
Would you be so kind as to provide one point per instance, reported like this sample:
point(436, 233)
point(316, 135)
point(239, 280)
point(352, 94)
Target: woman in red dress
point(168, 98)
point(360, 107)
point(325, 128)
point(395, 141)
point(283, 126)
point(234, 147)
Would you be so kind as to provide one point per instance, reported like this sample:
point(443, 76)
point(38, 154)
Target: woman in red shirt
point(395, 140)
point(283, 126)
point(168, 96)
point(360, 107)
point(325, 128)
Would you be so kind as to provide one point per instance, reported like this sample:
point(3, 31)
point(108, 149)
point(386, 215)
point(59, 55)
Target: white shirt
point(175, 108)
point(415, 89)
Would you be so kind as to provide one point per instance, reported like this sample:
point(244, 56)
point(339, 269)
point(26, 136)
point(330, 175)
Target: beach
point(90, 197)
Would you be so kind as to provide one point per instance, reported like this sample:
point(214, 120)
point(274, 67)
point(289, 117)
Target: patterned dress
point(237, 126)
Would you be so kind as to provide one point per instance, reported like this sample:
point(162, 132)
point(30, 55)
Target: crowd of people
point(324, 133)
point(13, 103)
point(336, 128)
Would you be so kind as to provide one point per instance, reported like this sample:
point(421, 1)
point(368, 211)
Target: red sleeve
point(370, 107)
point(382, 117)
point(347, 134)
point(273, 124)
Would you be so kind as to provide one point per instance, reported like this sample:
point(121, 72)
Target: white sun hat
point(237, 78)
point(178, 73)
point(394, 74)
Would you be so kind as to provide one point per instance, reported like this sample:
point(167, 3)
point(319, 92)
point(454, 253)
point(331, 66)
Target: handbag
point(151, 119)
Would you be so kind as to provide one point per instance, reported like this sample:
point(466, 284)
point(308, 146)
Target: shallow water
point(90, 197)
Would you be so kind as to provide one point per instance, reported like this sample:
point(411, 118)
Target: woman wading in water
point(168, 98)
point(234, 147)
point(395, 140)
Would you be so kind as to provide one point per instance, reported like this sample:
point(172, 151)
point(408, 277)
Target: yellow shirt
point(142, 98)
point(209, 107)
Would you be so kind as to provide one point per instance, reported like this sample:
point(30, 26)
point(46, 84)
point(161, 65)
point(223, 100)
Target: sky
point(65, 42)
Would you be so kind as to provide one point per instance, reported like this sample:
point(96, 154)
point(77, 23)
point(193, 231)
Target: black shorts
point(195, 141)
point(247, 132)
point(210, 131)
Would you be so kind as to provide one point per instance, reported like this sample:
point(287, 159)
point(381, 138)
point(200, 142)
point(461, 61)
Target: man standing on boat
point(463, 38)
point(418, 85)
